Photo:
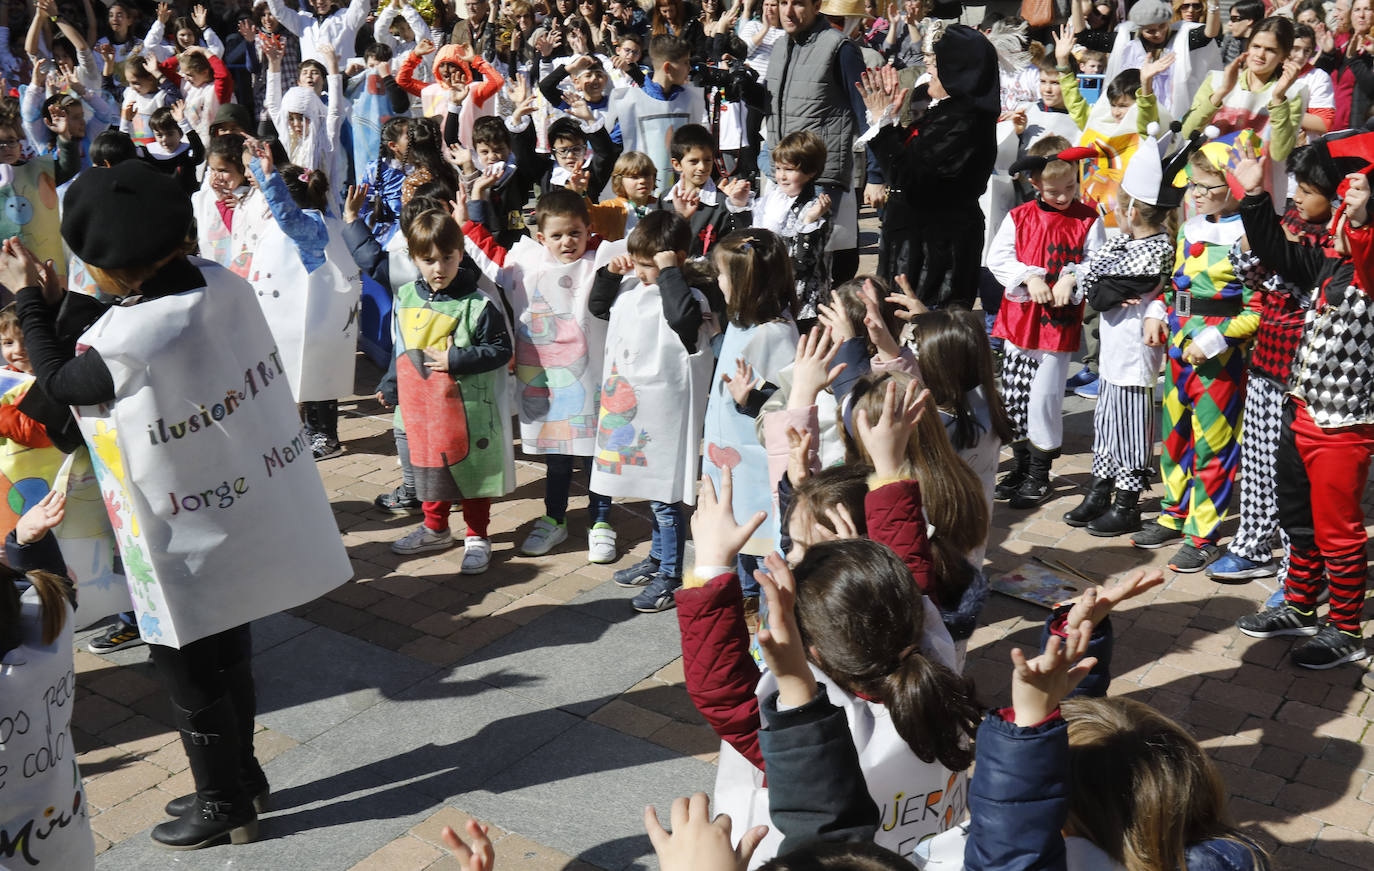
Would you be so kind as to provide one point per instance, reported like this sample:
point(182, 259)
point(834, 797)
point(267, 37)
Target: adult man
point(476, 28)
point(327, 25)
point(811, 78)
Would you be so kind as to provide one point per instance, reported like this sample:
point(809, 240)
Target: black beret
point(125, 215)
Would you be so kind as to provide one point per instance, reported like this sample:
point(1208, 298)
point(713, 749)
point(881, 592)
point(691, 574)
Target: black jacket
point(943, 161)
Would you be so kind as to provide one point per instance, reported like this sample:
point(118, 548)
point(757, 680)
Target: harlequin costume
point(1284, 311)
point(1327, 435)
point(1038, 240)
point(1208, 305)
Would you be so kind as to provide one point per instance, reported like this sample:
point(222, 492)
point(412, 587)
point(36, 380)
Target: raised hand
point(353, 202)
point(424, 47)
point(718, 537)
point(819, 208)
point(622, 264)
point(798, 455)
point(888, 439)
point(164, 13)
point(1108, 597)
point(1039, 684)
point(811, 372)
point(42, 518)
point(687, 203)
point(200, 15)
point(882, 93)
point(481, 856)
point(834, 319)
point(248, 32)
point(737, 190)
point(179, 111)
point(1249, 172)
point(780, 641)
point(698, 843)
point(1063, 45)
point(742, 383)
point(878, 333)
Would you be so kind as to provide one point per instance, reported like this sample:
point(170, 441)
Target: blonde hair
point(951, 494)
point(1164, 218)
point(631, 164)
point(1140, 787)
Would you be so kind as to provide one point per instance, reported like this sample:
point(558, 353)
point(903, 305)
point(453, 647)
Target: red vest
point(1050, 239)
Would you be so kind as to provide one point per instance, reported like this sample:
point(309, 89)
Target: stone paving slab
point(584, 794)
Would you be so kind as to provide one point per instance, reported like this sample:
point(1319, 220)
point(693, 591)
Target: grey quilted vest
point(806, 96)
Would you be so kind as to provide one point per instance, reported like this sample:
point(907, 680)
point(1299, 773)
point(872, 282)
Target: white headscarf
point(310, 151)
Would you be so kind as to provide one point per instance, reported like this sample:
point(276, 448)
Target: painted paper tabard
point(28, 209)
point(43, 818)
point(653, 400)
point(558, 350)
point(204, 465)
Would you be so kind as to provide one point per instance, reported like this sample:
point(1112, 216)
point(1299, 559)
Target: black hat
point(233, 113)
point(967, 64)
point(125, 215)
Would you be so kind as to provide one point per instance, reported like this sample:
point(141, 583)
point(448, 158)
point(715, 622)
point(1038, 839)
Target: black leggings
point(195, 674)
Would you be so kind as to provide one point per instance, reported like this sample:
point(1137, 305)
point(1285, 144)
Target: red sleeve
point(483, 239)
point(1328, 116)
point(19, 427)
point(406, 76)
point(1362, 253)
point(490, 84)
point(894, 516)
point(224, 82)
point(171, 68)
point(721, 675)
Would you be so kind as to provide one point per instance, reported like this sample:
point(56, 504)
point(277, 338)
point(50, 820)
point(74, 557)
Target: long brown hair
point(1140, 787)
point(54, 593)
point(864, 619)
point(760, 274)
point(955, 360)
point(951, 494)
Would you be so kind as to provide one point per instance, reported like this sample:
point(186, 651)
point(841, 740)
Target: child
point(15, 425)
point(456, 89)
point(1205, 319)
point(712, 212)
point(307, 286)
point(857, 624)
point(206, 84)
point(169, 153)
point(558, 348)
point(452, 348)
point(1250, 553)
point(589, 82)
point(755, 277)
point(1120, 281)
point(632, 181)
point(383, 179)
point(626, 70)
point(794, 210)
point(1034, 256)
point(226, 185)
point(1048, 117)
point(308, 129)
point(148, 90)
point(1326, 436)
point(648, 116)
point(581, 154)
point(512, 184)
point(655, 379)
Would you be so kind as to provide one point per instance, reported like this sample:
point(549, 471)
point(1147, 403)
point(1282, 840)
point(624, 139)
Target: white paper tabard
point(204, 465)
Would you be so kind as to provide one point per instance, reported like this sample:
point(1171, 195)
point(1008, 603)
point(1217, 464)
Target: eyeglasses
point(1190, 6)
point(9, 143)
point(1236, 19)
point(570, 151)
point(1206, 188)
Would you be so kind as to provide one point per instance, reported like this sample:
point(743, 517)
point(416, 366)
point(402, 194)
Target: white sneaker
point(545, 536)
point(422, 539)
point(476, 554)
point(601, 544)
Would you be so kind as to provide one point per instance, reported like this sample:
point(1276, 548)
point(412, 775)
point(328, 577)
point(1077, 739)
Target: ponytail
point(933, 709)
point(54, 594)
point(859, 610)
point(308, 187)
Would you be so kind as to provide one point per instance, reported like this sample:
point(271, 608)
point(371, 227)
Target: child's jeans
point(745, 566)
point(668, 544)
point(476, 512)
point(558, 475)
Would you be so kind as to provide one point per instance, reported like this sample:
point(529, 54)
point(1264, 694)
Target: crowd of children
point(624, 239)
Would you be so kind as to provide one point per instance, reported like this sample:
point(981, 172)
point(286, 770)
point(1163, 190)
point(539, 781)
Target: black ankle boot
point(1094, 505)
point(1035, 490)
point(222, 809)
point(1121, 518)
point(243, 695)
point(1012, 481)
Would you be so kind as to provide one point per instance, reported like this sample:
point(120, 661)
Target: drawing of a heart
point(724, 458)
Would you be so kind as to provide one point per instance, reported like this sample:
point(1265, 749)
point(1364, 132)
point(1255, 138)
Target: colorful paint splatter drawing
point(618, 442)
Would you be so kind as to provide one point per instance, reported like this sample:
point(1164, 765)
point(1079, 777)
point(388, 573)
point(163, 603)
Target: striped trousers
point(1124, 434)
point(1259, 448)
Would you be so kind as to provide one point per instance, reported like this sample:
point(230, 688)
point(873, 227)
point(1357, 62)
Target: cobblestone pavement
point(534, 699)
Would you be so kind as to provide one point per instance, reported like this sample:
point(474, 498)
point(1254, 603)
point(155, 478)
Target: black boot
point(1094, 505)
point(1121, 518)
point(239, 680)
point(222, 808)
point(1012, 481)
point(1035, 490)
